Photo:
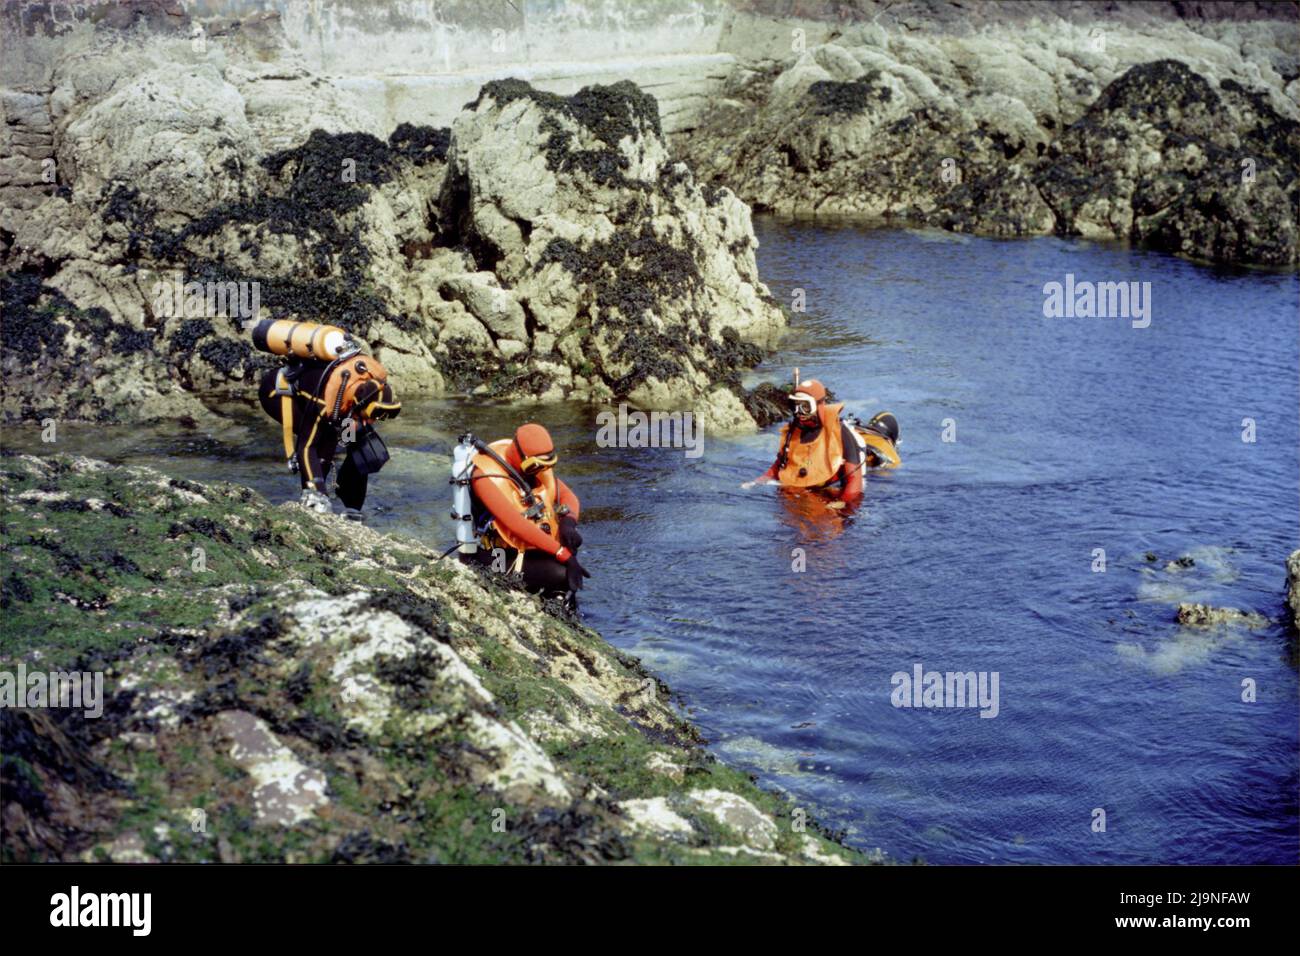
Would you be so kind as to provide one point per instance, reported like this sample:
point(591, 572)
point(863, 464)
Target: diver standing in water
point(513, 513)
point(327, 392)
point(820, 451)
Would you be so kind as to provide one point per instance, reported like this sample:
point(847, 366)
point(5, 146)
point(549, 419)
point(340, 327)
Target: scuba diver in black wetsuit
point(326, 393)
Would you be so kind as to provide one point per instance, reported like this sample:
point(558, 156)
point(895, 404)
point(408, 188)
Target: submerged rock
point(1194, 577)
point(1293, 587)
point(1203, 615)
point(355, 699)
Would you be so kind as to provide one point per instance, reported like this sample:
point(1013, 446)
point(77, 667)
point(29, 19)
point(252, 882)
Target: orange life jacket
point(544, 495)
point(816, 463)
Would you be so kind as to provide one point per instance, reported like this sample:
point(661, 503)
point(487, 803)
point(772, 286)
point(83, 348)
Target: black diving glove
point(576, 573)
point(569, 536)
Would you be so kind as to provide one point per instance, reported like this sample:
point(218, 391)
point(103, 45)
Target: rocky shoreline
point(541, 248)
point(1168, 126)
point(546, 247)
point(1293, 588)
point(282, 686)
point(309, 690)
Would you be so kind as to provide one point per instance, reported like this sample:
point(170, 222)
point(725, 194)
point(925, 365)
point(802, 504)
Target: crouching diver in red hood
point(514, 514)
point(820, 451)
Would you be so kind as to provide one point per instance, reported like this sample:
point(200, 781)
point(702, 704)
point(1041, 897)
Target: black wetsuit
point(315, 439)
point(541, 573)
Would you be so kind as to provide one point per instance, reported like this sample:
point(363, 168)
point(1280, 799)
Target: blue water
point(1071, 435)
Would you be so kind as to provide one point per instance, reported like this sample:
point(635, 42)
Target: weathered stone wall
point(420, 62)
point(400, 61)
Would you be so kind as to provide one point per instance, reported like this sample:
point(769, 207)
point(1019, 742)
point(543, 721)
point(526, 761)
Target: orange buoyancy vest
point(345, 378)
point(544, 494)
point(817, 462)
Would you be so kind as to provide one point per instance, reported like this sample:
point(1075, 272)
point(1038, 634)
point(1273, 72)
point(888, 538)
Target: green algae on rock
point(284, 686)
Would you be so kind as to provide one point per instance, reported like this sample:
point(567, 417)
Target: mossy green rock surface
point(283, 686)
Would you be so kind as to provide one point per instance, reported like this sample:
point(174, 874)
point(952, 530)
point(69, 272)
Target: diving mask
point(535, 463)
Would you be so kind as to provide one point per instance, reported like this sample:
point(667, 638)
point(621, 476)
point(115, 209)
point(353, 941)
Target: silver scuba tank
point(462, 464)
point(855, 429)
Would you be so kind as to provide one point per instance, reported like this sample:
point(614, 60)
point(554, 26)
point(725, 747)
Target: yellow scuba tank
point(304, 340)
point(879, 438)
point(881, 451)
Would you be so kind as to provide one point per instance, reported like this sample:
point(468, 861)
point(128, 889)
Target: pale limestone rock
point(737, 813)
point(1001, 102)
point(512, 348)
point(168, 134)
point(1203, 615)
point(459, 326)
point(542, 190)
point(161, 147)
point(838, 62)
point(816, 854)
point(287, 792)
point(357, 643)
point(484, 299)
point(660, 763)
point(523, 771)
point(794, 82)
point(653, 815)
point(1293, 587)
